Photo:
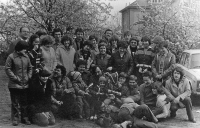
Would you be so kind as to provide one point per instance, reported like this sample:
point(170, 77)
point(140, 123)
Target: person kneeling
point(41, 91)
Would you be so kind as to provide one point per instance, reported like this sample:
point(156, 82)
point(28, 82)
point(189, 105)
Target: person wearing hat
point(102, 58)
point(65, 54)
point(19, 71)
point(143, 58)
point(85, 54)
point(132, 112)
point(121, 61)
point(41, 91)
point(81, 93)
point(163, 63)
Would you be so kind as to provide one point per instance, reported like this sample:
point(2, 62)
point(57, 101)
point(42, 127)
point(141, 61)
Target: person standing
point(57, 34)
point(48, 53)
point(65, 54)
point(79, 40)
point(23, 35)
point(19, 71)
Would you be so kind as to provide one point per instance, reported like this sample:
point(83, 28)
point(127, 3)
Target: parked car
point(190, 62)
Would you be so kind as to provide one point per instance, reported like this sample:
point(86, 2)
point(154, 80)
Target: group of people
point(114, 81)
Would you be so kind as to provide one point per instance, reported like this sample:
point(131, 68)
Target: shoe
point(26, 121)
point(15, 123)
point(193, 120)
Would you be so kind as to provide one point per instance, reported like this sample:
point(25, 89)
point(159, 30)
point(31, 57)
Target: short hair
point(57, 30)
point(31, 40)
point(102, 41)
point(66, 38)
point(88, 42)
point(135, 39)
point(108, 30)
point(123, 74)
point(148, 74)
point(91, 37)
point(113, 38)
point(133, 77)
point(62, 68)
point(41, 32)
point(162, 44)
point(79, 30)
point(102, 44)
point(46, 40)
point(20, 29)
point(146, 38)
point(127, 33)
point(122, 44)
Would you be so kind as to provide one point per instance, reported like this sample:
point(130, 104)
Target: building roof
point(136, 4)
point(193, 51)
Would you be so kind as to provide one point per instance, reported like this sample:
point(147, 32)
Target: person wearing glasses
point(23, 35)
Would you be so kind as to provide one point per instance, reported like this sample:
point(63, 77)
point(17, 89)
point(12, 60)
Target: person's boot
point(192, 120)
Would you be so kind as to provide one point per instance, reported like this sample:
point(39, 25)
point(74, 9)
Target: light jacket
point(66, 57)
point(19, 70)
point(183, 89)
point(169, 62)
point(49, 58)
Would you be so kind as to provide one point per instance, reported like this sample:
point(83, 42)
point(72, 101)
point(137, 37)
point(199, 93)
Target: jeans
point(188, 104)
point(83, 106)
point(19, 103)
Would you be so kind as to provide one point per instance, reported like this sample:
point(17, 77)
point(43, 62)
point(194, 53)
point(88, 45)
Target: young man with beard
point(85, 54)
point(107, 35)
point(143, 58)
point(65, 54)
point(57, 34)
point(64, 97)
point(179, 87)
point(121, 61)
point(79, 40)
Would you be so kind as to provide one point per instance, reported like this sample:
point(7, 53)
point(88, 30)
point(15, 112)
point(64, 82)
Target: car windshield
point(195, 61)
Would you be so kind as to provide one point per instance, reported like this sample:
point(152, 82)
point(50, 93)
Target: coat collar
point(15, 54)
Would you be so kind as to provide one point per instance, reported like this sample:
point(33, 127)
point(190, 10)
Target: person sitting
point(162, 101)
point(64, 98)
point(81, 92)
point(179, 87)
point(41, 91)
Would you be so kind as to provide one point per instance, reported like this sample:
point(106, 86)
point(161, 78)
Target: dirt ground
point(5, 122)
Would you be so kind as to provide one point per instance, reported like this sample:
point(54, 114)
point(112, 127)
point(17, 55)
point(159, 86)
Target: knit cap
point(21, 45)
point(102, 79)
point(75, 75)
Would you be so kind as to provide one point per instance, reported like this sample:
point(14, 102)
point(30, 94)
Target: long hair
point(180, 70)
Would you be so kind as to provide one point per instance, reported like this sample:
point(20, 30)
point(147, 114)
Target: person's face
point(132, 83)
point(94, 42)
point(154, 90)
point(79, 35)
point(98, 71)
point(122, 80)
point(47, 46)
point(114, 43)
point(86, 48)
point(127, 37)
point(23, 52)
point(44, 79)
point(163, 50)
point(67, 43)
point(80, 79)
point(102, 49)
point(108, 34)
point(133, 43)
point(36, 41)
point(102, 84)
point(147, 80)
point(24, 33)
point(145, 44)
point(177, 76)
point(57, 72)
point(121, 50)
point(57, 36)
point(81, 68)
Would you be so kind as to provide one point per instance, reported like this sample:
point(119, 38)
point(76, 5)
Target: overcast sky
point(117, 4)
